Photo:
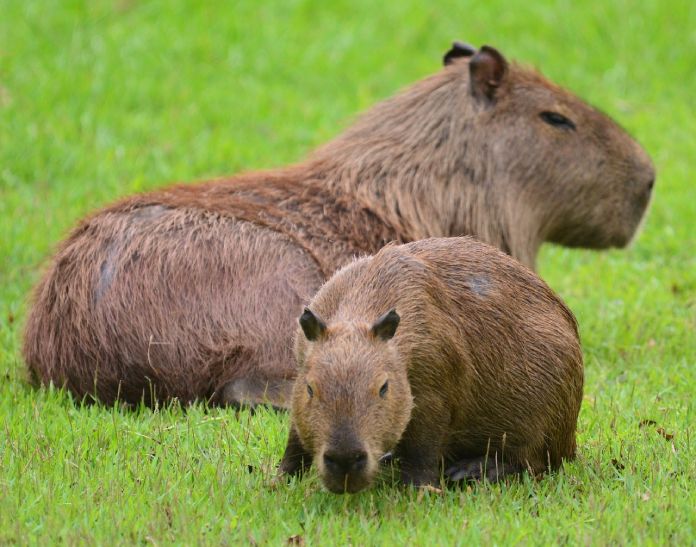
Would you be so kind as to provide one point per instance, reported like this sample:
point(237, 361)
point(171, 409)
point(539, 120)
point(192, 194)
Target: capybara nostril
point(345, 462)
point(331, 462)
point(359, 460)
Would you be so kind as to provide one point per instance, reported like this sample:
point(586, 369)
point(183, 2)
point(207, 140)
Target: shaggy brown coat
point(477, 367)
point(192, 291)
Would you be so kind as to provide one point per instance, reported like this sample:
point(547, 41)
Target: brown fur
point(191, 291)
point(484, 372)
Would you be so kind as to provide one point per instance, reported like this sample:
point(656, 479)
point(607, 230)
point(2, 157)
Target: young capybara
point(192, 291)
point(445, 352)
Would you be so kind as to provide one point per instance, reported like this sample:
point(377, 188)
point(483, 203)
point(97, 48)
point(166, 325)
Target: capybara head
point(351, 399)
point(587, 178)
point(495, 150)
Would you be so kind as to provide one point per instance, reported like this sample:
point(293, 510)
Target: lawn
point(101, 99)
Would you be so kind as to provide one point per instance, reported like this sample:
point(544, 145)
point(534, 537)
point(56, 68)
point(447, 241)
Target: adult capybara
point(192, 291)
point(444, 351)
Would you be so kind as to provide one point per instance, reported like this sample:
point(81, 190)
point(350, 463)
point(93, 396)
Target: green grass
point(101, 99)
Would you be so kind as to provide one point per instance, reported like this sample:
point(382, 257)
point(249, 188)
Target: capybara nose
point(648, 177)
point(345, 462)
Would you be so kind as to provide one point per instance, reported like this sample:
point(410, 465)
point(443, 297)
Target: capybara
point(444, 351)
point(191, 292)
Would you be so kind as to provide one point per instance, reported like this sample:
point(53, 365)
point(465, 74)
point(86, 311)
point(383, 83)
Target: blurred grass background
point(104, 98)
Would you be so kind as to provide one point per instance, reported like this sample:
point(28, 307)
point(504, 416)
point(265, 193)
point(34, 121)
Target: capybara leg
point(419, 467)
point(296, 459)
point(478, 468)
point(251, 392)
point(420, 450)
point(415, 475)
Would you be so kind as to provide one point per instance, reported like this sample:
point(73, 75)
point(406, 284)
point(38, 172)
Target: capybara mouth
point(346, 484)
point(641, 204)
point(623, 239)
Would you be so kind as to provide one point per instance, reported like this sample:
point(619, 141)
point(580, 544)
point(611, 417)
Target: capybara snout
point(346, 467)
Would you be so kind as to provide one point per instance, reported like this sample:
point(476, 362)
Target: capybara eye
point(383, 389)
point(557, 120)
point(310, 391)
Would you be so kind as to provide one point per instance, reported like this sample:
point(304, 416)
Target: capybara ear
point(385, 326)
point(312, 326)
point(459, 49)
point(487, 69)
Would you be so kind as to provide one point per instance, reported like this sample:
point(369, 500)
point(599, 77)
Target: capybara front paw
point(419, 477)
point(291, 466)
point(479, 468)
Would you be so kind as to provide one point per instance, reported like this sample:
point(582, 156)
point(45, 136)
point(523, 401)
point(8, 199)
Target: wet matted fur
point(193, 291)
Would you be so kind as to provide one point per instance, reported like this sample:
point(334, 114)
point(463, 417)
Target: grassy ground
point(100, 99)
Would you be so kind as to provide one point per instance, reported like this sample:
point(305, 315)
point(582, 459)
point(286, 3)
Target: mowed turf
point(101, 99)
